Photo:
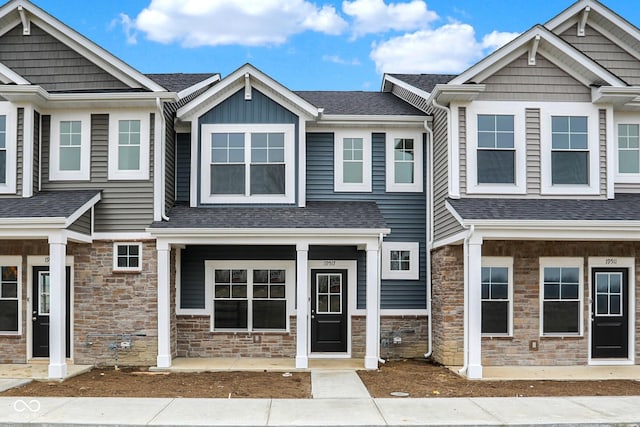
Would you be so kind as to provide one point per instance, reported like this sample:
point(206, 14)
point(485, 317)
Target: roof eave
point(268, 232)
point(448, 93)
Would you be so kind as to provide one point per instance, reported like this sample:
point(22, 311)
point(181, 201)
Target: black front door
point(41, 302)
point(609, 313)
point(329, 311)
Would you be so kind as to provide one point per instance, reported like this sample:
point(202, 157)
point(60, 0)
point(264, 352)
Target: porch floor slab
point(197, 364)
point(37, 371)
point(591, 372)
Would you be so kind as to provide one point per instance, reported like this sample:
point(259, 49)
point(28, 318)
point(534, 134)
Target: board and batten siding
point(170, 159)
point(404, 213)
point(125, 206)
point(183, 167)
point(45, 61)
point(544, 81)
point(259, 110)
point(605, 52)
point(445, 225)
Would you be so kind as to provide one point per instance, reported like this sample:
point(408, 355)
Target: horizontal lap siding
point(45, 61)
point(404, 213)
point(36, 152)
point(602, 126)
point(82, 224)
point(462, 152)
point(125, 206)
point(533, 150)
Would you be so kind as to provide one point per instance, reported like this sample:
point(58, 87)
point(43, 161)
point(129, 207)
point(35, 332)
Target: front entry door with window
point(41, 303)
point(609, 313)
point(329, 311)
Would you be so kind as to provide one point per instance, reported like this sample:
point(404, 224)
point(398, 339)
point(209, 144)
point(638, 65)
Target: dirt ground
point(418, 378)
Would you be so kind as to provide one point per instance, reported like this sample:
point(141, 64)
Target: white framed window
point(627, 157)
point(497, 296)
point(496, 148)
point(10, 295)
point(127, 256)
point(251, 295)
point(401, 260)
point(70, 150)
point(8, 149)
point(248, 163)
point(352, 161)
point(570, 155)
point(404, 158)
point(129, 145)
point(561, 301)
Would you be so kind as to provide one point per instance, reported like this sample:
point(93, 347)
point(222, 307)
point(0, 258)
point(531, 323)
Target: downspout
point(465, 338)
point(428, 125)
point(163, 160)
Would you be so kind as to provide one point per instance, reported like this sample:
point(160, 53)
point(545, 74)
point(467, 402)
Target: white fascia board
point(32, 222)
point(455, 214)
point(196, 87)
point(209, 99)
point(74, 236)
point(7, 76)
point(84, 46)
point(269, 232)
point(448, 93)
point(83, 209)
point(397, 82)
point(615, 95)
point(567, 225)
point(367, 120)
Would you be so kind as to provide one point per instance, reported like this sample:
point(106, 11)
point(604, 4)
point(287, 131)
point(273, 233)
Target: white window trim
point(116, 174)
point(414, 261)
point(84, 174)
point(11, 140)
point(570, 109)
point(562, 262)
point(338, 160)
point(519, 145)
point(624, 119)
point(503, 262)
point(392, 186)
point(6, 261)
point(290, 285)
point(248, 129)
point(115, 257)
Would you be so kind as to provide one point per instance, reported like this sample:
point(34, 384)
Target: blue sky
point(308, 44)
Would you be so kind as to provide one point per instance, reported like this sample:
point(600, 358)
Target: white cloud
point(338, 60)
point(230, 22)
point(128, 27)
point(451, 48)
point(375, 16)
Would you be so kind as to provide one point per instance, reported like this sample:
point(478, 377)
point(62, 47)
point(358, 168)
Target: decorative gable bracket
point(26, 22)
point(582, 24)
point(533, 51)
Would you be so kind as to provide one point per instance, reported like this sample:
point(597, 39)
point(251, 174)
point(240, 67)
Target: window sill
point(561, 337)
point(126, 271)
point(10, 335)
point(250, 333)
point(497, 337)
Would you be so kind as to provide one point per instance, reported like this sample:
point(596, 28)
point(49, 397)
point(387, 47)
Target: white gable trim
point(234, 82)
point(8, 76)
point(81, 44)
point(520, 45)
point(196, 87)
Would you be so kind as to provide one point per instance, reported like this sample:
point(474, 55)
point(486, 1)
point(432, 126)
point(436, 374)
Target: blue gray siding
point(404, 213)
point(183, 167)
point(45, 61)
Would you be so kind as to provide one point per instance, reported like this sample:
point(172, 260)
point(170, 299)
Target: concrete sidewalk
point(569, 411)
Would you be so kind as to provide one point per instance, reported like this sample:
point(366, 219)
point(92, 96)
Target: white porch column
point(372, 349)
point(57, 308)
point(164, 305)
point(474, 368)
point(302, 312)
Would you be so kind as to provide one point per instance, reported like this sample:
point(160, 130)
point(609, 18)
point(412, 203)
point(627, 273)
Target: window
point(70, 147)
point(569, 150)
point(127, 257)
point(497, 296)
point(628, 149)
point(400, 260)
point(404, 162)
point(243, 165)
point(251, 296)
point(10, 295)
point(561, 288)
point(129, 146)
point(496, 150)
point(352, 161)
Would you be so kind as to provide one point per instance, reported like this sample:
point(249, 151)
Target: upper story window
point(70, 147)
point(248, 164)
point(8, 149)
point(496, 150)
point(628, 149)
point(404, 162)
point(570, 149)
point(129, 146)
point(352, 161)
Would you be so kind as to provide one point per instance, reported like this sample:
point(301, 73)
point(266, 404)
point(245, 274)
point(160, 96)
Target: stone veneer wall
point(103, 302)
point(413, 331)
point(447, 289)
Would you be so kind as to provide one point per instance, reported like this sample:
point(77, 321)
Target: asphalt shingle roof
point(341, 215)
point(175, 82)
point(625, 207)
point(425, 82)
point(359, 103)
point(47, 204)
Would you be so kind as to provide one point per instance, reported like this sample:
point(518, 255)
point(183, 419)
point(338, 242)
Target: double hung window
point(70, 147)
point(497, 296)
point(561, 289)
point(496, 149)
point(352, 160)
point(404, 162)
point(129, 146)
point(10, 295)
point(569, 150)
point(3, 149)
